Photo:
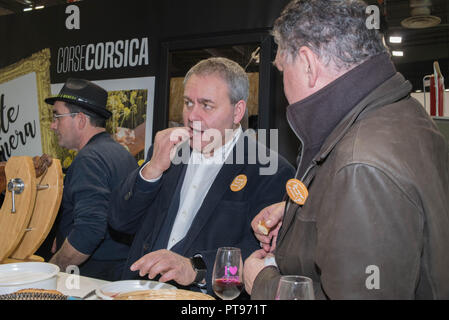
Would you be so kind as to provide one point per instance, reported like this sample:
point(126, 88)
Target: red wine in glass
point(227, 276)
point(227, 289)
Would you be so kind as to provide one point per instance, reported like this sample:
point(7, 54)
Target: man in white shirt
point(182, 212)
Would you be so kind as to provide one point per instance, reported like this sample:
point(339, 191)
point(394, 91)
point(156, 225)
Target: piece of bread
point(262, 227)
point(32, 290)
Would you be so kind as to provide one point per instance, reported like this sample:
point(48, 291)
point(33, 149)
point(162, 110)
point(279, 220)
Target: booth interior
point(156, 42)
point(139, 51)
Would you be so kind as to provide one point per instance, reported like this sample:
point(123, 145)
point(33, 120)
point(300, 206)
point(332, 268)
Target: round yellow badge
point(297, 191)
point(239, 183)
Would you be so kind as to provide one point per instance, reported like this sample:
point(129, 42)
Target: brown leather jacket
point(376, 222)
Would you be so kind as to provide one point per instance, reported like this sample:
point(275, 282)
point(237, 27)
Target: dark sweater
point(97, 169)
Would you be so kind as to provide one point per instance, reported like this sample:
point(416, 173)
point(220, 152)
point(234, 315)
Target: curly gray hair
point(335, 30)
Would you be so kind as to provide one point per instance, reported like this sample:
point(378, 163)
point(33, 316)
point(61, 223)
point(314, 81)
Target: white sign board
point(20, 133)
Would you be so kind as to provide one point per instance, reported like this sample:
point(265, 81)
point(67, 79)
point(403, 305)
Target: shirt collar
point(220, 154)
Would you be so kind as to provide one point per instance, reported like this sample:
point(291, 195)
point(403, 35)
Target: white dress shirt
point(200, 174)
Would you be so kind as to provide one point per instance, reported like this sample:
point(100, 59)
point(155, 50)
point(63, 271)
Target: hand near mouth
point(165, 144)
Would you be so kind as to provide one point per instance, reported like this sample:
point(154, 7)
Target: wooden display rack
point(29, 208)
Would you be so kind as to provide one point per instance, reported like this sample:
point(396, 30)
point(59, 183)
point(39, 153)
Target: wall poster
point(24, 116)
point(131, 102)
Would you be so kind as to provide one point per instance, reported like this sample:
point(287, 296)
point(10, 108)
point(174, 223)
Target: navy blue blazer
point(224, 219)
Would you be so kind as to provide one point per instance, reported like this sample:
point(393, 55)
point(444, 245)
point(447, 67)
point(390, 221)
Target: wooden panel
point(45, 211)
point(176, 101)
point(12, 225)
point(253, 97)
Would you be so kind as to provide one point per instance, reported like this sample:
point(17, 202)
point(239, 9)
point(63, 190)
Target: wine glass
point(227, 276)
point(295, 288)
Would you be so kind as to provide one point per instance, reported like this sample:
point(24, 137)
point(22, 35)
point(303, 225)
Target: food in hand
point(262, 227)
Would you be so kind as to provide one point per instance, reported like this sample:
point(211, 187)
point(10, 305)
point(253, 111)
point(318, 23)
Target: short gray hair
point(231, 72)
point(335, 30)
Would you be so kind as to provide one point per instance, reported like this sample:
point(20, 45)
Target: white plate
point(110, 290)
point(24, 275)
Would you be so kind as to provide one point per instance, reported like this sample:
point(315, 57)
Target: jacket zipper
point(300, 162)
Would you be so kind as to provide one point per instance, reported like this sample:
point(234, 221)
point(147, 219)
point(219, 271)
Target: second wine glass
point(295, 288)
point(227, 276)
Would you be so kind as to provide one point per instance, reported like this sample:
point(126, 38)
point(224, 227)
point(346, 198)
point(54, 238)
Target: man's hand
point(170, 265)
point(272, 217)
point(253, 265)
point(165, 144)
point(67, 256)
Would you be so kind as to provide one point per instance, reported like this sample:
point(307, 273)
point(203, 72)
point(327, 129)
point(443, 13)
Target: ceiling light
point(395, 39)
point(39, 7)
point(398, 53)
point(27, 9)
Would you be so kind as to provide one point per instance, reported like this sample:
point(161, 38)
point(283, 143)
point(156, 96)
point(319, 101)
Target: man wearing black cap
point(79, 119)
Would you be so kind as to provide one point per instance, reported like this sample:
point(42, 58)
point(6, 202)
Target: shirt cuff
point(148, 180)
point(270, 261)
point(82, 242)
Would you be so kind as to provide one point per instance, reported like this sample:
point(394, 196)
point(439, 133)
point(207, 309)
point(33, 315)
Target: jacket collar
point(394, 89)
point(315, 117)
point(98, 136)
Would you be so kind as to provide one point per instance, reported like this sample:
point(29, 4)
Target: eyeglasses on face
point(57, 116)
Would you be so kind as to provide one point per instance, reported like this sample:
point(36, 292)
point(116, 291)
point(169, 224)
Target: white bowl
point(112, 289)
point(24, 275)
